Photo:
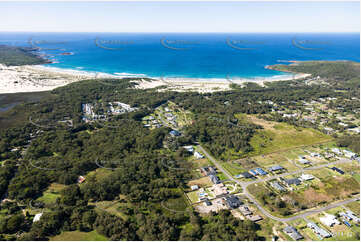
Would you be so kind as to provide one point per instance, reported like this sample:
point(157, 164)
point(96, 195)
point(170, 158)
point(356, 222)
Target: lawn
point(79, 236)
point(51, 194)
point(354, 207)
point(326, 190)
point(112, 207)
point(193, 196)
point(201, 182)
point(179, 204)
point(277, 136)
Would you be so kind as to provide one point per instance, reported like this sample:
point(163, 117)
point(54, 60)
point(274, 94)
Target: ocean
point(185, 55)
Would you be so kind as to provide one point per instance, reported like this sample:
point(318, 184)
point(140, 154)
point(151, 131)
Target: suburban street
point(304, 214)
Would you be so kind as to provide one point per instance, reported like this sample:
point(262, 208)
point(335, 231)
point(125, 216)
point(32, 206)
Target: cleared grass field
point(354, 207)
point(112, 207)
point(201, 182)
point(79, 236)
point(51, 194)
point(281, 136)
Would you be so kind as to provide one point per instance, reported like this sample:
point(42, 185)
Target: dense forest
point(53, 152)
point(340, 74)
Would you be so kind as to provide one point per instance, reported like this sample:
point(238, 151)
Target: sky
point(180, 16)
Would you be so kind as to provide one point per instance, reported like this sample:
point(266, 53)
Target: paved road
point(255, 202)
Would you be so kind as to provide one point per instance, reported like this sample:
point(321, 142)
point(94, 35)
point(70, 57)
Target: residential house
point(254, 218)
point(278, 186)
point(293, 233)
point(37, 217)
point(292, 181)
point(214, 179)
point(353, 216)
point(81, 179)
point(245, 210)
point(350, 154)
point(337, 151)
point(198, 155)
point(303, 160)
point(319, 231)
point(253, 172)
point(207, 202)
point(174, 133)
point(261, 171)
point(314, 154)
point(219, 189)
point(329, 220)
point(232, 202)
point(338, 170)
point(246, 175)
point(276, 168)
point(208, 170)
point(189, 148)
point(306, 177)
point(194, 187)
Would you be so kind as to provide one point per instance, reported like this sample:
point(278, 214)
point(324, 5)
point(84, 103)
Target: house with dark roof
point(208, 170)
point(174, 133)
point(261, 171)
point(293, 233)
point(246, 175)
point(277, 186)
point(292, 181)
point(232, 202)
point(214, 179)
point(276, 168)
point(338, 170)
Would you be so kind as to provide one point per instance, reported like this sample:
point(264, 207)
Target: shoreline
point(35, 78)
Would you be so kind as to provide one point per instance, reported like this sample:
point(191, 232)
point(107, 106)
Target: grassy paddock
point(79, 236)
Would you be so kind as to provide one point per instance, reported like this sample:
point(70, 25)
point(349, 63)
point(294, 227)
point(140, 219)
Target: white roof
point(306, 177)
point(329, 220)
point(37, 217)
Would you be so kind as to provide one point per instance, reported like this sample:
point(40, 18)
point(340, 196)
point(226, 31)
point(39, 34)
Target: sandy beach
point(204, 85)
point(37, 78)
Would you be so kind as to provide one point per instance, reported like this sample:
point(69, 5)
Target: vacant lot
point(326, 190)
point(281, 136)
point(79, 236)
point(201, 182)
point(52, 193)
point(113, 207)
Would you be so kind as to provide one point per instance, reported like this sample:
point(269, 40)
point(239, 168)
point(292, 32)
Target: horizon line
point(140, 32)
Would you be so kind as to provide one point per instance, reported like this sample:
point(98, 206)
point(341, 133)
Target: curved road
point(244, 186)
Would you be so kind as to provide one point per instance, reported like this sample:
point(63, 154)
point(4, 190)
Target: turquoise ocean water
point(186, 55)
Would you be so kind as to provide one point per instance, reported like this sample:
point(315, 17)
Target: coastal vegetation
point(129, 190)
point(16, 56)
